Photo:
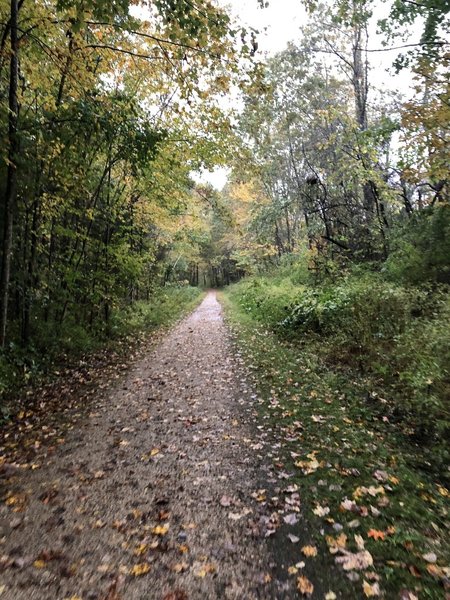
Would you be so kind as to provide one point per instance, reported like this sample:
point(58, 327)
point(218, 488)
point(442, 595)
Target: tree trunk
point(9, 198)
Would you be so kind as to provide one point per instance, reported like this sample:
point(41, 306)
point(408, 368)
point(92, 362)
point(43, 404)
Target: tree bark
point(9, 198)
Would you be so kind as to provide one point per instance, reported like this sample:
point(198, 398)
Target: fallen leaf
point(304, 586)
point(140, 569)
point(209, 568)
point(176, 595)
point(39, 564)
point(140, 550)
point(290, 519)
point(330, 596)
point(376, 534)
point(160, 529)
point(371, 590)
point(430, 557)
point(180, 567)
point(407, 595)
point(355, 561)
point(309, 551)
point(321, 511)
point(293, 538)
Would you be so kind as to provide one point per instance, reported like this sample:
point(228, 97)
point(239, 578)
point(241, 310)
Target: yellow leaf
point(205, 570)
point(309, 551)
point(160, 529)
point(304, 586)
point(39, 564)
point(141, 549)
point(140, 569)
point(443, 491)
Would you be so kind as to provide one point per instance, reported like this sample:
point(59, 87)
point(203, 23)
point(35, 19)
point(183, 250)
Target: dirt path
point(155, 495)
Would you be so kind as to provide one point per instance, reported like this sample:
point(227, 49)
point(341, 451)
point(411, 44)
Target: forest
point(330, 240)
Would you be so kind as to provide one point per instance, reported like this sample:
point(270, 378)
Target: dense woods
point(110, 108)
point(106, 109)
point(331, 239)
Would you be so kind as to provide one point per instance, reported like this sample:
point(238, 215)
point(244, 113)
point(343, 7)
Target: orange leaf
point(304, 586)
point(376, 534)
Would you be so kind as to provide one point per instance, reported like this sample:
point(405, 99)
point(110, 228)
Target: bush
point(268, 301)
point(360, 313)
point(398, 336)
point(421, 249)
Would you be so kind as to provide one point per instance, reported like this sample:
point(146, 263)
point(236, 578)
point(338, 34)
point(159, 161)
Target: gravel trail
point(155, 494)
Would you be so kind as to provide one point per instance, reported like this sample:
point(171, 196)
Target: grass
point(350, 459)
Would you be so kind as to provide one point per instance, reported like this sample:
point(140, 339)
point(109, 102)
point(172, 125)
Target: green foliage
point(21, 366)
point(165, 306)
point(339, 418)
point(397, 337)
point(421, 250)
point(269, 301)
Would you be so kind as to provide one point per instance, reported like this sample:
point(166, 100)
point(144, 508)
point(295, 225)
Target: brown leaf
point(176, 595)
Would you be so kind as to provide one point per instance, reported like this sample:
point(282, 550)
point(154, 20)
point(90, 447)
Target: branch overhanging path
point(153, 494)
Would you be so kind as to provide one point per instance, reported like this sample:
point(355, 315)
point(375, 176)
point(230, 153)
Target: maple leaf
point(304, 586)
point(336, 544)
point(376, 534)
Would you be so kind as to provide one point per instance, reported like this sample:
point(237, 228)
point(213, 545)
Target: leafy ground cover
point(76, 355)
point(376, 506)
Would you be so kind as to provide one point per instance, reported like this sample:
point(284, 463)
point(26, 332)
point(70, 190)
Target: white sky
point(281, 22)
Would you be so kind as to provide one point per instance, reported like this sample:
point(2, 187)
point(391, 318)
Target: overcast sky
point(281, 22)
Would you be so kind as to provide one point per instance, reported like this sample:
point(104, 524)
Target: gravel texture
point(155, 494)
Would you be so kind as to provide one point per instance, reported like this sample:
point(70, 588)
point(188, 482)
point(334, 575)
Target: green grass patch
point(353, 465)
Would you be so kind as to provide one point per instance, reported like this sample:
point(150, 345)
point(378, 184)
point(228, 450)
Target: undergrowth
point(361, 479)
point(54, 345)
point(395, 337)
